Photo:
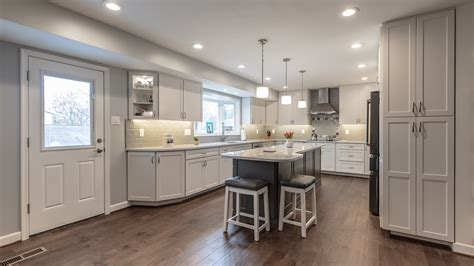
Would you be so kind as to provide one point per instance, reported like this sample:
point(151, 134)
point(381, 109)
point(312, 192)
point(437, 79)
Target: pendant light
point(302, 102)
point(285, 98)
point(262, 91)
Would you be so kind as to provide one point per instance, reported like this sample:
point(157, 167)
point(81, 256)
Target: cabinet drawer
point(351, 156)
point(328, 146)
point(236, 148)
point(194, 154)
point(348, 146)
point(350, 167)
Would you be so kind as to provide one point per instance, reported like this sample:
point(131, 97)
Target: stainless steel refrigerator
point(372, 140)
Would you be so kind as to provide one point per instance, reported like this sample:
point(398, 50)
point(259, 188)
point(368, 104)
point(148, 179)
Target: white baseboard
point(463, 248)
point(9, 239)
point(119, 206)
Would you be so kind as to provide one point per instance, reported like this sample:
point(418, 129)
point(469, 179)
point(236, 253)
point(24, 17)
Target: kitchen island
point(273, 164)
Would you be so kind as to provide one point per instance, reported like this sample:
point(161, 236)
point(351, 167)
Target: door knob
point(99, 150)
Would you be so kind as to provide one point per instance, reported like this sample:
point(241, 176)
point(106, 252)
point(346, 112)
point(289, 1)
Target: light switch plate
point(142, 132)
point(115, 120)
point(187, 132)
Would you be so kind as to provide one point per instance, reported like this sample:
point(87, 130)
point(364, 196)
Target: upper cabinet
point(179, 99)
point(353, 103)
point(290, 114)
point(435, 64)
point(253, 111)
point(143, 95)
point(271, 113)
point(418, 65)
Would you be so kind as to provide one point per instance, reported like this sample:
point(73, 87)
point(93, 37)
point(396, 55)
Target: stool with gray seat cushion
point(253, 188)
point(299, 184)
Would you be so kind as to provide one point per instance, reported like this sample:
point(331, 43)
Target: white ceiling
point(311, 32)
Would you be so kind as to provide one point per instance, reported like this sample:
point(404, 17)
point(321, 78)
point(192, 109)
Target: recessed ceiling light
point(350, 11)
point(197, 46)
point(268, 78)
point(361, 65)
point(111, 5)
point(241, 66)
point(356, 45)
point(225, 90)
point(285, 87)
point(364, 78)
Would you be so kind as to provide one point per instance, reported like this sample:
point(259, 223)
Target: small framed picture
point(210, 127)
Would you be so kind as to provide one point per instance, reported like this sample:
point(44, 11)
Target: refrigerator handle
point(367, 127)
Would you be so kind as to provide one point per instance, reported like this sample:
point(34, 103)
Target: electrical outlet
point(273, 131)
point(187, 132)
point(257, 131)
point(142, 132)
point(347, 132)
point(302, 131)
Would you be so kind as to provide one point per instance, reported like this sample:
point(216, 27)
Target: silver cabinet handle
point(153, 160)
point(420, 129)
point(413, 108)
point(413, 127)
point(420, 108)
point(350, 155)
point(184, 115)
point(158, 159)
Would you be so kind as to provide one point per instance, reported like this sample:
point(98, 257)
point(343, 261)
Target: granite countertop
point(279, 153)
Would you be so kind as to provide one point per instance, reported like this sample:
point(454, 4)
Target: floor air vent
point(23, 256)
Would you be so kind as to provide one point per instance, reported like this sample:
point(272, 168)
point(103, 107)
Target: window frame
point(236, 101)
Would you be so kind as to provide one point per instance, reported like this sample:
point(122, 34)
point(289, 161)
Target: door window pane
point(67, 112)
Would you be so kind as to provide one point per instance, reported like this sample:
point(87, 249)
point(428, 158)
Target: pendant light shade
point(262, 91)
point(285, 98)
point(302, 103)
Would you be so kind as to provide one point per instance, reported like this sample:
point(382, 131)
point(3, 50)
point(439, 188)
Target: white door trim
point(25, 53)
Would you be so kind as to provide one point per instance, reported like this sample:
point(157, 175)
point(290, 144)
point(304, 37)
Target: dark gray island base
point(257, 164)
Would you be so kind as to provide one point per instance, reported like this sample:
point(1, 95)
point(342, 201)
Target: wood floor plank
point(190, 233)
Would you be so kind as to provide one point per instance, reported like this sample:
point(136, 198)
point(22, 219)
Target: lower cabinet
point(328, 157)
point(350, 158)
point(155, 176)
point(202, 174)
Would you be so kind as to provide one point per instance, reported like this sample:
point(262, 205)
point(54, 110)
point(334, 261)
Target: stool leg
point(256, 215)
point(303, 214)
point(315, 213)
point(237, 205)
point(293, 204)
point(266, 209)
point(282, 209)
point(226, 208)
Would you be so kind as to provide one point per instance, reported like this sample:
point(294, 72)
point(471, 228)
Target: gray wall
point(10, 137)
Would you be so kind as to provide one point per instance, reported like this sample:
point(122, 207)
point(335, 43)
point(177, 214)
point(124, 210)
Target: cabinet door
point(141, 176)
point(271, 113)
point(398, 74)
point(435, 64)
point(363, 96)
point(226, 169)
point(258, 111)
point(435, 178)
point(299, 115)
point(284, 112)
point(194, 173)
point(348, 104)
point(170, 97)
point(169, 175)
point(211, 172)
point(399, 175)
point(192, 107)
point(328, 160)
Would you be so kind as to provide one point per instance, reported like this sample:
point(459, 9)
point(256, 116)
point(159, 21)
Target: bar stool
point(253, 188)
point(299, 184)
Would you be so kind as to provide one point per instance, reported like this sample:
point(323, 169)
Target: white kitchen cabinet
point(353, 103)
point(290, 114)
point(328, 157)
point(284, 113)
point(271, 113)
point(142, 95)
point(227, 164)
point(141, 176)
point(350, 158)
point(253, 111)
point(202, 170)
point(192, 101)
point(179, 99)
point(170, 175)
point(194, 182)
point(399, 65)
point(399, 174)
point(435, 178)
point(170, 98)
point(435, 63)
point(210, 173)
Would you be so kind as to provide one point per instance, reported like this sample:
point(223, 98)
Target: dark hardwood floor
point(191, 233)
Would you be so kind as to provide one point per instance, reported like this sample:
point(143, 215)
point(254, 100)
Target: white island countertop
point(278, 153)
point(185, 147)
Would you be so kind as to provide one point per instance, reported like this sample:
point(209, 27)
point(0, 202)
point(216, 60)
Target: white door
point(211, 172)
point(141, 176)
point(399, 174)
point(435, 64)
point(348, 104)
point(169, 175)
point(435, 178)
point(194, 171)
point(192, 101)
point(170, 98)
point(66, 162)
point(398, 69)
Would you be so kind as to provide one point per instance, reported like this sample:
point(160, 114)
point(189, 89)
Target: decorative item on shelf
point(169, 140)
point(285, 98)
point(147, 113)
point(289, 136)
point(262, 91)
point(151, 98)
point(269, 134)
point(196, 140)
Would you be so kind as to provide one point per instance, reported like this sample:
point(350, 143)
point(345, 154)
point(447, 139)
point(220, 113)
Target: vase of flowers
point(289, 136)
point(196, 140)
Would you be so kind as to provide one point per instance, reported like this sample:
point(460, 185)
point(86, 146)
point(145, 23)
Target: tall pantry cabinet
point(418, 125)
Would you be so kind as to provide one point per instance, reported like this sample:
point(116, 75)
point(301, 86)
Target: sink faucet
point(223, 137)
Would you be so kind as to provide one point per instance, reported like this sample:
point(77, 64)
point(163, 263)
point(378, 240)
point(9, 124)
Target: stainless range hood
point(321, 102)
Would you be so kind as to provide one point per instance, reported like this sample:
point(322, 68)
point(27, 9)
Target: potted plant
point(196, 140)
point(289, 136)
